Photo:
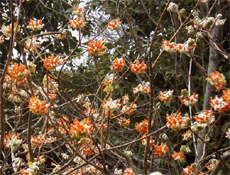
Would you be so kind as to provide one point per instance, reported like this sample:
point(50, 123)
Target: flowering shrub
point(133, 106)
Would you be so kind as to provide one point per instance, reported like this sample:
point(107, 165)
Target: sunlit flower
point(166, 96)
point(190, 170)
point(227, 134)
point(219, 104)
point(2, 39)
point(114, 24)
point(97, 48)
point(77, 11)
point(118, 64)
point(160, 150)
point(111, 105)
point(31, 45)
point(178, 156)
point(142, 88)
point(35, 25)
point(7, 30)
point(18, 73)
point(38, 107)
point(77, 23)
point(217, 79)
point(176, 121)
point(138, 67)
point(128, 171)
point(212, 164)
point(187, 136)
point(143, 126)
point(12, 141)
point(31, 170)
point(129, 109)
point(205, 117)
point(51, 62)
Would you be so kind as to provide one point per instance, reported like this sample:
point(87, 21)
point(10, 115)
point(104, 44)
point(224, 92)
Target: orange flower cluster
point(166, 96)
point(38, 107)
point(142, 88)
point(182, 48)
point(143, 126)
point(189, 101)
point(212, 164)
point(77, 11)
point(88, 148)
point(12, 141)
point(189, 170)
point(205, 117)
point(118, 64)
point(41, 139)
point(109, 79)
point(187, 136)
point(129, 109)
point(2, 39)
point(178, 156)
point(111, 105)
point(151, 141)
point(35, 25)
point(219, 104)
point(160, 150)
point(50, 86)
point(7, 30)
point(77, 23)
point(31, 45)
point(217, 79)
point(124, 122)
point(18, 73)
point(128, 171)
point(176, 121)
point(97, 48)
point(80, 129)
point(52, 62)
point(138, 68)
point(114, 24)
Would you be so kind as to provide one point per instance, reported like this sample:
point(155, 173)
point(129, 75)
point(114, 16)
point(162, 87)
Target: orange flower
point(168, 47)
point(212, 164)
point(18, 73)
point(217, 79)
point(143, 126)
point(124, 122)
point(166, 96)
point(142, 88)
point(114, 24)
point(138, 67)
point(219, 104)
point(80, 129)
point(77, 23)
point(226, 97)
point(151, 141)
point(87, 148)
point(52, 62)
point(97, 48)
point(160, 150)
point(178, 156)
point(31, 45)
point(118, 64)
point(205, 117)
point(176, 121)
point(38, 107)
point(2, 39)
point(189, 101)
point(7, 30)
point(189, 170)
point(77, 11)
point(129, 109)
point(128, 171)
point(35, 25)
point(187, 135)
